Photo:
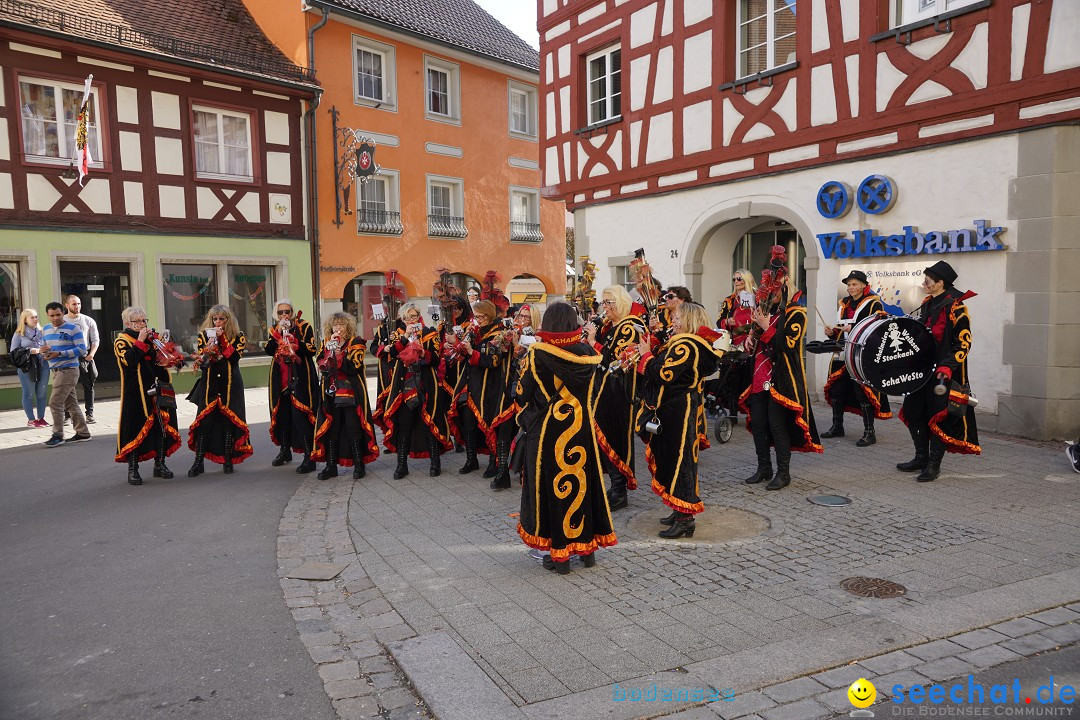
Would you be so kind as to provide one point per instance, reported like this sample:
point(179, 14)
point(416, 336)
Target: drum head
point(896, 355)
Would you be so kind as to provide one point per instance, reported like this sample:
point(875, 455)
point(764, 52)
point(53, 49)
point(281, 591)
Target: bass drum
point(894, 355)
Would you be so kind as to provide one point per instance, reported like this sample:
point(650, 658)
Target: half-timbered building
point(195, 192)
point(863, 135)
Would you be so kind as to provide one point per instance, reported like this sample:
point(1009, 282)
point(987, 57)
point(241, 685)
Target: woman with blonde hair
point(736, 309)
point(35, 378)
point(220, 430)
point(615, 392)
point(344, 434)
point(147, 427)
point(669, 420)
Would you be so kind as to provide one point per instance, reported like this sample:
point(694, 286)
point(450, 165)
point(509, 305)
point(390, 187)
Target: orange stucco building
point(451, 101)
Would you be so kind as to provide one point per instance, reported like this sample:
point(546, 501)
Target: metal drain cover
point(873, 587)
point(830, 500)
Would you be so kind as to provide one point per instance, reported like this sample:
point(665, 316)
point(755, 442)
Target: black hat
point(856, 275)
point(942, 271)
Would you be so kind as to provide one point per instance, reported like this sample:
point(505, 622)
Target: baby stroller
point(722, 393)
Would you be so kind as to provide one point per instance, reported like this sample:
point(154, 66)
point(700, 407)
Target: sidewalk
point(440, 594)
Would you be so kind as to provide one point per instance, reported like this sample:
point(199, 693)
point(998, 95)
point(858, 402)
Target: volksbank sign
point(875, 195)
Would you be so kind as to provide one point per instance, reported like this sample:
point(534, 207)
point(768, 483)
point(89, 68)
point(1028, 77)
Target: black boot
point(670, 519)
point(502, 476)
point(492, 468)
point(227, 466)
point(869, 437)
point(837, 429)
point(435, 451)
point(933, 464)
point(285, 454)
point(197, 467)
point(358, 469)
point(922, 450)
point(133, 469)
point(763, 473)
point(470, 453)
point(616, 496)
point(331, 462)
point(160, 470)
point(307, 465)
point(683, 525)
point(402, 468)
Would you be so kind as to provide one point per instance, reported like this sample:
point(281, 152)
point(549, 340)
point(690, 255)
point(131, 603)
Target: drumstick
point(820, 315)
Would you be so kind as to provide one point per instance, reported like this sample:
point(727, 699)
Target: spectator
point(87, 367)
point(64, 346)
point(35, 378)
point(1072, 451)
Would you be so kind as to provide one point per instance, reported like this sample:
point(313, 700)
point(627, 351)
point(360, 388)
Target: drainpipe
point(313, 174)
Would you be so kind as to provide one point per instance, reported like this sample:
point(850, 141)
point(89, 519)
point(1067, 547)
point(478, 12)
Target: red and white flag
point(82, 148)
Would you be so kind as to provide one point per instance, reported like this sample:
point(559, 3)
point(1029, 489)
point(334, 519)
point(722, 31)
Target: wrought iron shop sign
point(875, 196)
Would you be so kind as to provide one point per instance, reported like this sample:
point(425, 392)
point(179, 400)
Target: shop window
point(766, 35)
point(222, 144)
point(605, 85)
point(10, 307)
point(909, 11)
point(251, 298)
point(522, 105)
point(50, 117)
point(442, 89)
point(190, 292)
point(374, 66)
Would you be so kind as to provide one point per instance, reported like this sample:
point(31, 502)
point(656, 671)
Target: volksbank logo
point(867, 243)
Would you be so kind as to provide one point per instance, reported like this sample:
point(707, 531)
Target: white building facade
point(878, 136)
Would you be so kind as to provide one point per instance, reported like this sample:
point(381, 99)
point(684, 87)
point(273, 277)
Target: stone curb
point(344, 623)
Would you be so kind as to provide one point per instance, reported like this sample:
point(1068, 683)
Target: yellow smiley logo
point(862, 693)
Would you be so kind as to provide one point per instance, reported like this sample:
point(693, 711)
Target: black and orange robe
point(947, 318)
point(381, 339)
point(674, 382)
point(840, 383)
point(342, 376)
point(420, 380)
point(788, 379)
point(485, 381)
point(615, 393)
point(143, 426)
point(297, 383)
point(220, 402)
point(452, 375)
point(564, 507)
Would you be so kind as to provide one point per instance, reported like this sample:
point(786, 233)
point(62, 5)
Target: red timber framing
point(189, 86)
point(857, 88)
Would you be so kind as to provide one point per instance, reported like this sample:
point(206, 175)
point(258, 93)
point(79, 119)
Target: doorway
point(105, 291)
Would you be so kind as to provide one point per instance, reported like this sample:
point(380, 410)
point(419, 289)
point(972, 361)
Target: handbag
point(517, 453)
point(164, 395)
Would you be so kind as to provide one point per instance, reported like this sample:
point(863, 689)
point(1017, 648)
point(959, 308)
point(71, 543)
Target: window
point(190, 292)
point(378, 204)
point(525, 215)
point(50, 117)
point(623, 277)
point(251, 298)
point(10, 309)
point(522, 105)
point(222, 144)
point(446, 207)
point(605, 85)
point(441, 89)
point(766, 36)
point(909, 11)
point(374, 67)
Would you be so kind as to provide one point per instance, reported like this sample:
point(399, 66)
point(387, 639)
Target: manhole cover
point(830, 500)
point(873, 587)
point(716, 525)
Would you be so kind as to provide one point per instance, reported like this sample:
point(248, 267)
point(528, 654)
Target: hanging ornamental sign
point(354, 160)
point(365, 159)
